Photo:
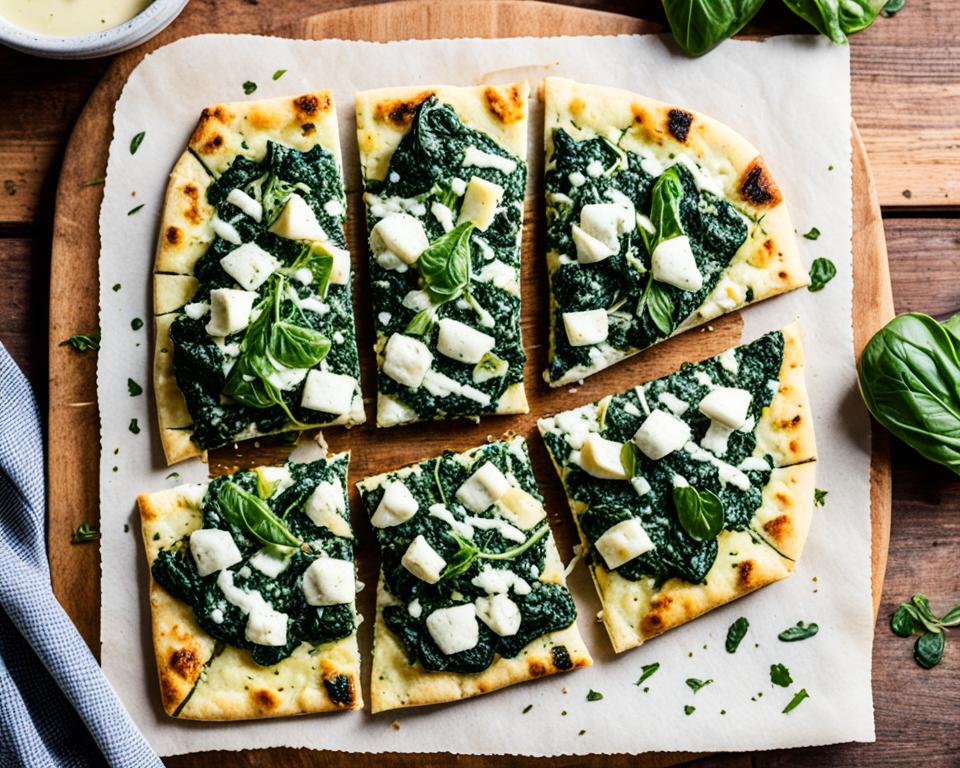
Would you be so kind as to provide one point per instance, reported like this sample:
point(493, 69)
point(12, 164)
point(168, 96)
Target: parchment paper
point(790, 96)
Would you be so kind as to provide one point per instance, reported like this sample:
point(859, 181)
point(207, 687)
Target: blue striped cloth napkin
point(56, 707)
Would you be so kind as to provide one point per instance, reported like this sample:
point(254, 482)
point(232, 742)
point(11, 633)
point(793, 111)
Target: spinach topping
point(424, 170)
point(546, 608)
point(684, 533)
point(226, 395)
point(644, 311)
point(234, 503)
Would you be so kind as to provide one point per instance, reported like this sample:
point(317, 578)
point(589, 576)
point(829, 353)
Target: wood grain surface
point(923, 257)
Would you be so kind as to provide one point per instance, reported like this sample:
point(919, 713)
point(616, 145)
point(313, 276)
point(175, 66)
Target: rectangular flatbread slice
point(694, 489)
point(472, 595)
point(659, 219)
point(252, 279)
point(444, 172)
point(252, 593)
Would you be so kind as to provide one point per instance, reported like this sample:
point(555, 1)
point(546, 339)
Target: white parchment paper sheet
point(790, 97)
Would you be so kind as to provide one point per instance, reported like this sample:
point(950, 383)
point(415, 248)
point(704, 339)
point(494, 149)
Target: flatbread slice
point(243, 629)
point(444, 170)
point(450, 626)
point(659, 219)
point(252, 279)
point(737, 430)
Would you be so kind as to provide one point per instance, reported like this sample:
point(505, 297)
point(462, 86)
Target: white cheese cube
point(326, 505)
point(483, 488)
point(454, 629)
point(272, 560)
point(401, 234)
point(287, 378)
point(225, 230)
point(673, 263)
point(459, 341)
point(397, 506)
point(521, 508)
point(623, 542)
point(297, 221)
point(600, 457)
point(328, 392)
point(249, 265)
point(245, 203)
point(266, 626)
point(727, 405)
point(423, 561)
point(274, 479)
point(406, 360)
point(340, 272)
point(229, 310)
point(480, 203)
point(213, 550)
point(591, 326)
point(329, 581)
point(589, 248)
point(606, 222)
point(480, 159)
point(661, 434)
point(499, 613)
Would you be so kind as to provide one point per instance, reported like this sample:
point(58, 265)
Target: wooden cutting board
point(73, 429)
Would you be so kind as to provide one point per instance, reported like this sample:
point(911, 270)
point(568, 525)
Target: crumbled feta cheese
point(213, 550)
point(661, 434)
point(297, 221)
point(601, 458)
point(483, 488)
point(459, 341)
point(249, 265)
point(328, 392)
point(590, 326)
point(229, 310)
point(454, 629)
point(623, 542)
point(329, 582)
point(396, 506)
point(423, 561)
point(673, 263)
point(406, 360)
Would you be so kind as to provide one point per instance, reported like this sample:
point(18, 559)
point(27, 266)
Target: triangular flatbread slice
point(693, 489)
point(659, 219)
point(241, 629)
point(252, 279)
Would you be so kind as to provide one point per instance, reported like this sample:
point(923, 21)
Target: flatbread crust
point(198, 681)
point(383, 119)
point(768, 261)
point(223, 133)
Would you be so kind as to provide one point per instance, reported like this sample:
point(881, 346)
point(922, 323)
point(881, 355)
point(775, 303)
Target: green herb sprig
point(780, 675)
point(464, 557)
point(695, 685)
point(795, 701)
point(917, 618)
point(82, 342)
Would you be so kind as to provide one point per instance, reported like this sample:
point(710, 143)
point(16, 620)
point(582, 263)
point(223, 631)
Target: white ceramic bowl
point(154, 18)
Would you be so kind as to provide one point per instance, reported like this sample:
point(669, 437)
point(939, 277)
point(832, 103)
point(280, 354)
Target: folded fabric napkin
point(56, 707)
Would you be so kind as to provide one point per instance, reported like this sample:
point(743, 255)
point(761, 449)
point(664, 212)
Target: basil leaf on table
point(252, 515)
point(837, 18)
point(903, 622)
point(952, 617)
point(736, 634)
point(822, 271)
point(700, 25)
point(928, 650)
point(700, 512)
point(909, 376)
point(800, 631)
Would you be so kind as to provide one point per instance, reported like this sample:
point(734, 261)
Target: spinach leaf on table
point(837, 18)
point(700, 25)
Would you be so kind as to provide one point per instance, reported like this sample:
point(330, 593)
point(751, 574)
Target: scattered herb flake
point(134, 427)
point(156, 536)
point(780, 675)
point(593, 695)
point(819, 496)
point(84, 533)
point(92, 183)
point(696, 685)
point(126, 527)
point(136, 141)
point(279, 73)
point(647, 671)
point(801, 631)
point(249, 87)
point(822, 271)
point(892, 7)
point(736, 633)
point(795, 701)
point(135, 209)
point(133, 388)
point(582, 732)
point(812, 234)
point(529, 706)
point(116, 287)
point(136, 323)
point(83, 342)
point(689, 709)
point(172, 476)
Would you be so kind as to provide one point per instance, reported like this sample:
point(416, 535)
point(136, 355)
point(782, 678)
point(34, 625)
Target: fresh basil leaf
point(136, 141)
point(837, 18)
point(903, 623)
point(700, 25)
point(695, 685)
point(795, 701)
point(319, 261)
point(736, 633)
point(952, 617)
point(83, 342)
point(445, 265)
point(422, 323)
point(700, 512)
point(252, 515)
point(819, 497)
point(294, 346)
point(822, 271)
point(593, 695)
point(928, 650)
point(647, 671)
point(665, 200)
point(812, 234)
point(893, 6)
point(801, 631)
point(909, 377)
point(660, 306)
point(628, 459)
point(780, 675)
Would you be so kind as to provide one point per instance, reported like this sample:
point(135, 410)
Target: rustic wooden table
point(906, 100)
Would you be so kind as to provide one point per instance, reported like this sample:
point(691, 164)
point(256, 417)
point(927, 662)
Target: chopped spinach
point(822, 271)
point(780, 675)
point(800, 631)
point(695, 685)
point(136, 141)
point(84, 533)
point(83, 342)
point(647, 671)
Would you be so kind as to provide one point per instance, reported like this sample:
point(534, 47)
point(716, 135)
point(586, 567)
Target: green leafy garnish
point(795, 701)
point(819, 496)
point(83, 342)
point(812, 234)
point(116, 287)
point(463, 558)
point(593, 695)
point(172, 476)
point(251, 514)
point(647, 670)
point(801, 631)
point(249, 87)
point(93, 183)
point(780, 675)
point(929, 648)
point(695, 685)
point(836, 19)
point(628, 459)
point(133, 388)
point(279, 73)
point(135, 209)
point(700, 512)
point(918, 618)
point(893, 6)
point(445, 272)
point(136, 323)
point(736, 633)
point(699, 25)
point(136, 141)
point(822, 271)
point(84, 533)
point(665, 216)
point(527, 709)
point(134, 427)
point(689, 709)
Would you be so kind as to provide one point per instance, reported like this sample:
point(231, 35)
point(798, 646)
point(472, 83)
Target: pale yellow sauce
point(70, 17)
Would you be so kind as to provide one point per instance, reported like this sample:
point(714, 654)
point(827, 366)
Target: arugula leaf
point(780, 675)
point(251, 514)
point(647, 671)
point(700, 512)
point(799, 632)
point(795, 701)
point(822, 271)
point(928, 650)
point(696, 685)
point(83, 342)
point(736, 634)
point(84, 533)
point(136, 141)
point(593, 695)
point(700, 25)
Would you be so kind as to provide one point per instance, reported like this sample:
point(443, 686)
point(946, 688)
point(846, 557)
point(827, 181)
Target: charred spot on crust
point(561, 657)
point(745, 573)
point(639, 115)
point(784, 500)
point(678, 123)
point(507, 107)
point(307, 128)
point(795, 446)
point(778, 527)
point(265, 699)
point(340, 690)
point(400, 112)
point(191, 191)
point(756, 186)
point(310, 104)
point(173, 235)
point(537, 668)
point(185, 663)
